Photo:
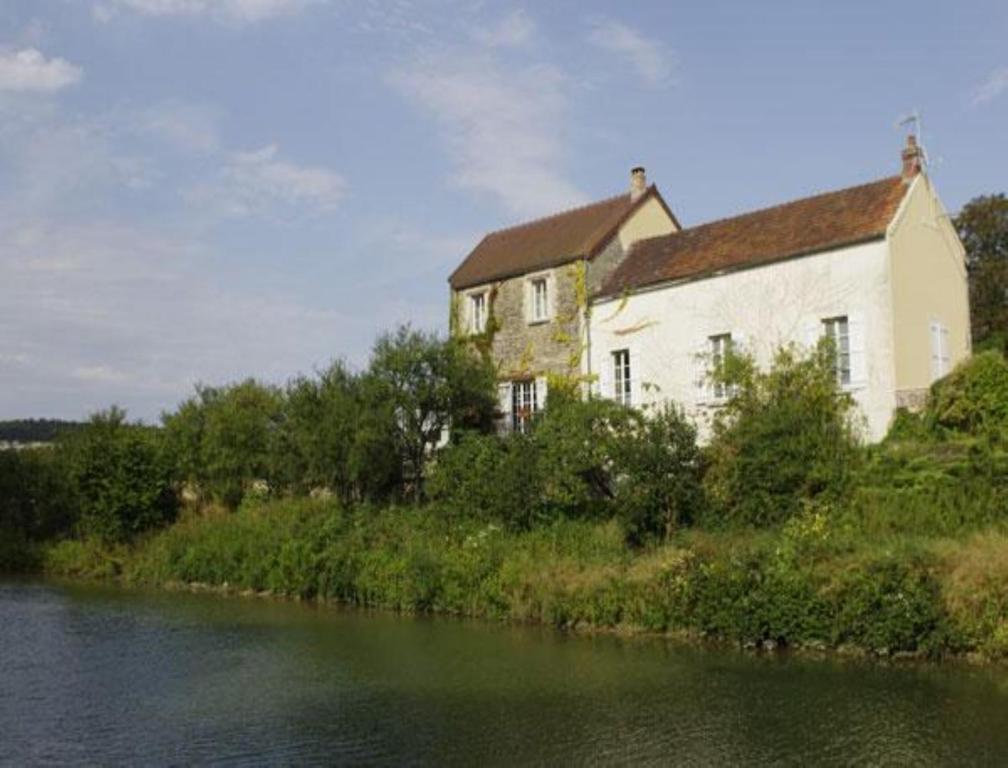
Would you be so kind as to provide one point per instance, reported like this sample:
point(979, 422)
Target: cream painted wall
point(650, 220)
point(666, 330)
point(929, 284)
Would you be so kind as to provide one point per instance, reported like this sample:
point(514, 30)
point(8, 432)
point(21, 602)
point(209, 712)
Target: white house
point(878, 267)
point(619, 294)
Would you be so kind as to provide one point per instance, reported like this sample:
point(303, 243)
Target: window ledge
point(542, 321)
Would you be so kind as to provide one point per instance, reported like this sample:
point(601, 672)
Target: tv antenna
point(914, 119)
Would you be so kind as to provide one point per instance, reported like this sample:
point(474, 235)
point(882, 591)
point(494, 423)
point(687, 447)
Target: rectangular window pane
point(540, 300)
point(622, 383)
point(838, 330)
point(478, 317)
point(524, 403)
point(720, 347)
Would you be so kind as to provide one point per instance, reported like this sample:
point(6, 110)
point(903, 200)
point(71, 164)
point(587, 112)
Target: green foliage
point(660, 486)
point(223, 439)
point(35, 430)
point(786, 435)
point(488, 477)
point(806, 585)
point(422, 385)
point(582, 460)
point(121, 477)
point(983, 228)
point(972, 399)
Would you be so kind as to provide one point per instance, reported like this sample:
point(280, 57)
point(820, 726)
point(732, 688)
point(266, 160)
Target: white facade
point(668, 329)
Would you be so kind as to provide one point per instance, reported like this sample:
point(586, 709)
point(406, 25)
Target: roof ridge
point(558, 214)
point(785, 204)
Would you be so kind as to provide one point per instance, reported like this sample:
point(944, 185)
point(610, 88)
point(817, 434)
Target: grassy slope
point(815, 583)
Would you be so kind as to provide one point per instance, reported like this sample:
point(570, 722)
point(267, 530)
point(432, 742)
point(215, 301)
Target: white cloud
point(517, 28)
point(995, 84)
point(650, 58)
point(231, 10)
point(503, 128)
point(29, 70)
point(258, 182)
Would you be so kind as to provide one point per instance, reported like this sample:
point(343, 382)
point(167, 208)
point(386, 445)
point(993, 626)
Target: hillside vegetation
point(784, 531)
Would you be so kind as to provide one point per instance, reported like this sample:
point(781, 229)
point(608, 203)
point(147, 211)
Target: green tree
point(321, 420)
point(424, 385)
point(785, 435)
point(224, 439)
point(121, 476)
point(983, 228)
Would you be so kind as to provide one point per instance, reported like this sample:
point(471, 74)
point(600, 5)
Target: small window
point(838, 329)
point(477, 312)
point(540, 299)
point(622, 387)
point(524, 404)
point(720, 349)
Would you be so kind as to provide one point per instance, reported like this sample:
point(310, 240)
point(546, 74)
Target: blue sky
point(202, 190)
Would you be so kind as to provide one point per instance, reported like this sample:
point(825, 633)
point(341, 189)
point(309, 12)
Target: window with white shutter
point(622, 383)
point(837, 329)
point(524, 404)
point(720, 347)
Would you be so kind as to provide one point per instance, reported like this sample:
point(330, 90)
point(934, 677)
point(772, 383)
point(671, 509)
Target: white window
point(720, 349)
point(838, 329)
point(477, 312)
point(940, 360)
point(524, 404)
point(622, 387)
point(539, 294)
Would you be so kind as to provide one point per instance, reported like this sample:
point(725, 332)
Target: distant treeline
point(36, 430)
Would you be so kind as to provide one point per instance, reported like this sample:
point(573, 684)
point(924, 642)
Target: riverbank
point(811, 584)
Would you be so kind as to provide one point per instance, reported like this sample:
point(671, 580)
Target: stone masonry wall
point(522, 349)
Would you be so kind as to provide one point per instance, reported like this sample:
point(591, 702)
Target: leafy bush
point(582, 460)
point(121, 477)
point(973, 399)
point(659, 487)
point(785, 435)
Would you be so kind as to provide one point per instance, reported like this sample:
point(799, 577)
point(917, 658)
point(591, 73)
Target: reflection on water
point(102, 676)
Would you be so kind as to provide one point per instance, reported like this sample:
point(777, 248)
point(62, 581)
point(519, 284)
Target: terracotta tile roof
point(548, 242)
point(798, 228)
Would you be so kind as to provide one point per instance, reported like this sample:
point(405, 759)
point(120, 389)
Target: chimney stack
point(638, 183)
point(913, 159)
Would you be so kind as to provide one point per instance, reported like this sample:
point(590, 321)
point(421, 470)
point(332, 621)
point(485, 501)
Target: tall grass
point(813, 583)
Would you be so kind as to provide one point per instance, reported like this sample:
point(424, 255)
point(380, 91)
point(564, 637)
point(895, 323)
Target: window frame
point(524, 404)
point(474, 326)
point(831, 327)
point(622, 376)
point(544, 279)
point(719, 346)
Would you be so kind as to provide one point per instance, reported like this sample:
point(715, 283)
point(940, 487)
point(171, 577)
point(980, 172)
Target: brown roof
point(798, 228)
point(563, 237)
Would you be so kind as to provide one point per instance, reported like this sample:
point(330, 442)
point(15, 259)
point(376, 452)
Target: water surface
point(112, 677)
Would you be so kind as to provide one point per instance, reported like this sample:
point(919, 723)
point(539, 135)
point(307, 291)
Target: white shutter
point(935, 334)
point(504, 405)
point(700, 359)
point(540, 393)
point(812, 331)
point(606, 377)
point(856, 347)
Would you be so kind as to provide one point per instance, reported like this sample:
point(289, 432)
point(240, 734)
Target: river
point(104, 676)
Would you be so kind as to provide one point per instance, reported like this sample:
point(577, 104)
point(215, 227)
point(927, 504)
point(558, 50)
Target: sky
point(198, 191)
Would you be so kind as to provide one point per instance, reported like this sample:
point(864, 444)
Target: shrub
point(786, 435)
point(121, 477)
point(488, 477)
point(973, 399)
point(659, 487)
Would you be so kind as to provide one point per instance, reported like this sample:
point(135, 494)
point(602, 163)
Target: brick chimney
point(913, 159)
point(638, 183)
